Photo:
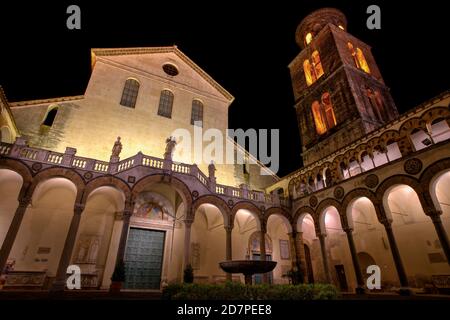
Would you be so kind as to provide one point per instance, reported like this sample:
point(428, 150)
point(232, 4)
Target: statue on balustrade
point(117, 148)
point(170, 146)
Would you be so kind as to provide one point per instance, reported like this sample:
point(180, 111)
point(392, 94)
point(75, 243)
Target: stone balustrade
point(19, 150)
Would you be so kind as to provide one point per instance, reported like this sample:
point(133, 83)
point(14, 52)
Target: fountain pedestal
point(247, 267)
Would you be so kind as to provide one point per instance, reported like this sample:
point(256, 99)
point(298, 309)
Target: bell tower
point(339, 92)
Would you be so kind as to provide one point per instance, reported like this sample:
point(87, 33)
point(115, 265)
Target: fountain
point(247, 267)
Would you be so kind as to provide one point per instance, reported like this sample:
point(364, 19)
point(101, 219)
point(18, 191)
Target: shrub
point(239, 291)
point(188, 274)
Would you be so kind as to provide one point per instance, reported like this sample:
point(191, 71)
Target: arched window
point(50, 117)
point(323, 114)
point(328, 110)
point(308, 72)
point(313, 70)
point(308, 38)
point(197, 112)
point(376, 102)
point(362, 60)
point(165, 104)
point(317, 64)
point(130, 93)
point(358, 58)
point(319, 120)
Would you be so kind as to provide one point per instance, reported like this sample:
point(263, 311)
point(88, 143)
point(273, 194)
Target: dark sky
point(246, 48)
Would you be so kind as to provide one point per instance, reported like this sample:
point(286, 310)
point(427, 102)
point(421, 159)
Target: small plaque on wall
point(284, 250)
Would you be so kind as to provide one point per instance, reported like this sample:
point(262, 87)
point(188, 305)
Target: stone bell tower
point(339, 92)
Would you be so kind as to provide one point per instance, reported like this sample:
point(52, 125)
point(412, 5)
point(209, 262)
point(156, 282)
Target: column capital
point(24, 201)
point(433, 213)
point(228, 228)
point(78, 208)
point(347, 229)
point(188, 222)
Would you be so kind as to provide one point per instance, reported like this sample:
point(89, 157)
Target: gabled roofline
point(44, 101)
point(169, 49)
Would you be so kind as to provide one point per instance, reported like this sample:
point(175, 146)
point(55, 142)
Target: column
point(356, 266)
point(396, 255)
point(301, 256)
point(126, 216)
point(294, 256)
point(442, 235)
point(228, 248)
point(13, 230)
point(61, 274)
point(187, 241)
point(323, 249)
point(262, 249)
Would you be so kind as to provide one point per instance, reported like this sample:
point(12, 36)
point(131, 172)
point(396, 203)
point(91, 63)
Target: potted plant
point(118, 277)
point(188, 274)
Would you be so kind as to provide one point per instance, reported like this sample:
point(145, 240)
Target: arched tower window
point(358, 58)
point(308, 72)
point(130, 93)
point(165, 104)
point(317, 64)
point(308, 38)
point(328, 110)
point(313, 69)
point(197, 112)
point(323, 114)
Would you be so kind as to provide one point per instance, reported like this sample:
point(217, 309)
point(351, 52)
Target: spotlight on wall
point(427, 142)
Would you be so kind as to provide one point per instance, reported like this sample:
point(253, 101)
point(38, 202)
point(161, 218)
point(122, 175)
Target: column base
point(360, 290)
point(405, 291)
point(58, 286)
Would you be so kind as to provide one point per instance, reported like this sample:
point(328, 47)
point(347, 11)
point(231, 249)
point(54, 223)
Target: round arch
point(280, 212)
point(350, 198)
point(429, 179)
point(215, 201)
point(107, 181)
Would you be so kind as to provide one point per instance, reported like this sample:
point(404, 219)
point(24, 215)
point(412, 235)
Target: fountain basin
point(247, 267)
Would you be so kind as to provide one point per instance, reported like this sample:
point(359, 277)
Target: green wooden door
point(143, 259)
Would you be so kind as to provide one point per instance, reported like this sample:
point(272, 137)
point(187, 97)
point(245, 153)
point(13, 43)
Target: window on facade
point(313, 69)
point(130, 93)
point(377, 104)
point(165, 104)
point(358, 58)
point(197, 112)
point(50, 117)
point(323, 114)
point(308, 38)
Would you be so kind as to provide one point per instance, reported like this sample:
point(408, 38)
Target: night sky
point(246, 48)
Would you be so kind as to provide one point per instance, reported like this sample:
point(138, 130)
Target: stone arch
point(300, 215)
point(411, 124)
point(389, 136)
point(436, 113)
point(109, 181)
point(285, 216)
point(55, 172)
point(18, 167)
point(324, 204)
point(217, 202)
point(428, 180)
point(247, 205)
point(350, 198)
point(176, 183)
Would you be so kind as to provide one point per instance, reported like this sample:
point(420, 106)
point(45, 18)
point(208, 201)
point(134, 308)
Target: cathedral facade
point(95, 179)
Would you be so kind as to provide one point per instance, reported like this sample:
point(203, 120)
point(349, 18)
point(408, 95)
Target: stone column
point(356, 266)
point(301, 256)
point(187, 241)
point(126, 216)
point(435, 216)
point(12, 231)
point(228, 248)
point(323, 249)
point(262, 249)
point(61, 274)
point(397, 258)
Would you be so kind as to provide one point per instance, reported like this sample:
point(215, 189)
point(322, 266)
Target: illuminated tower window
point(313, 70)
point(323, 114)
point(308, 38)
point(341, 27)
point(358, 58)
